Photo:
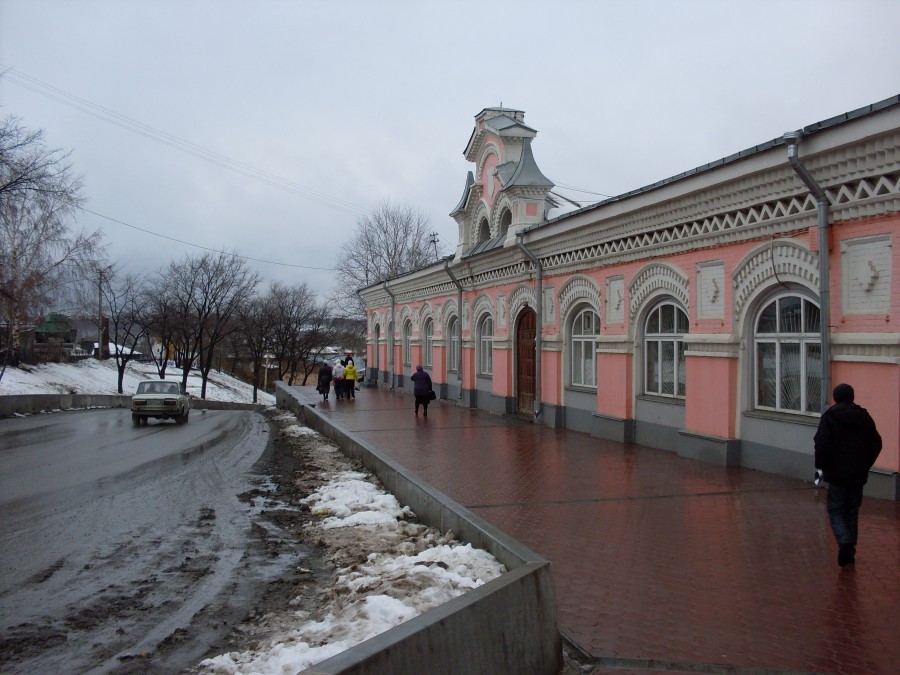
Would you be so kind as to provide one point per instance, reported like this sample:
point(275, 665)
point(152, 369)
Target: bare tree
point(206, 291)
point(38, 251)
point(124, 300)
point(317, 332)
point(28, 167)
point(299, 319)
point(159, 321)
point(256, 319)
point(389, 241)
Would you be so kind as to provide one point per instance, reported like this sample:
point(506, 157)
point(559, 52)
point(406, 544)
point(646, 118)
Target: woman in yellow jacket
point(350, 376)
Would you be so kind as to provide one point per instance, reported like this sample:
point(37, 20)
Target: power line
point(205, 248)
point(123, 121)
point(590, 192)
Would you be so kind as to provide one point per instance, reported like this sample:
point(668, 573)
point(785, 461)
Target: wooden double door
point(526, 332)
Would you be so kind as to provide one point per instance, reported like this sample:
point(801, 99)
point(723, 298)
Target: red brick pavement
point(656, 557)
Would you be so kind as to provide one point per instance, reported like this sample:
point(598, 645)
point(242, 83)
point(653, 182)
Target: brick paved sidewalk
point(660, 562)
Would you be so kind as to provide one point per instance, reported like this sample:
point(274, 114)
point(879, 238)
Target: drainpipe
point(459, 293)
point(539, 310)
point(391, 336)
point(792, 139)
point(359, 295)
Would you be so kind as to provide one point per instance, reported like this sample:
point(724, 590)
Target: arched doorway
point(526, 331)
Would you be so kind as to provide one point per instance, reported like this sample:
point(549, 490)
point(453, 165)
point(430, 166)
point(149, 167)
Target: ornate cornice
point(860, 179)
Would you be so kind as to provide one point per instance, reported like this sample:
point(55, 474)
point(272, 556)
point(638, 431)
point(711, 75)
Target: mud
point(279, 572)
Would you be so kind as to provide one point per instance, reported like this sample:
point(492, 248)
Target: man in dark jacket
point(847, 445)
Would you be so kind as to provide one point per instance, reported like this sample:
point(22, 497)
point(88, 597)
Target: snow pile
point(412, 570)
point(101, 377)
point(349, 499)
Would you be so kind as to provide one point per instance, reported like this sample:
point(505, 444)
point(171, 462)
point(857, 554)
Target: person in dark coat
point(324, 384)
point(847, 445)
point(421, 389)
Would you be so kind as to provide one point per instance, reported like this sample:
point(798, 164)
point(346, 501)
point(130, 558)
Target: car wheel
point(135, 420)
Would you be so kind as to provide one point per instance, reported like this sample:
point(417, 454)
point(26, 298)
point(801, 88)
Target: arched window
point(391, 351)
point(407, 339)
point(484, 231)
point(664, 334)
point(585, 327)
point(429, 343)
point(486, 346)
point(505, 221)
point(453, 359)
point(787, 340)
point(377, 345)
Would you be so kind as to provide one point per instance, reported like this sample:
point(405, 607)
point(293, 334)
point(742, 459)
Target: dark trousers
point(843, 512)
point(350, 388)
point(339, 388)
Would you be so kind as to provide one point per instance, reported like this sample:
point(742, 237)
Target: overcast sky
point(346, 104)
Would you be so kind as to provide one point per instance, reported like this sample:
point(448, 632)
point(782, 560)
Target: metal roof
point(527, 173)
point(743, 154)
point(470, 180)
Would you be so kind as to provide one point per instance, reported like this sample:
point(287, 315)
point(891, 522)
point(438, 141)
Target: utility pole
point(434, 241)
point(100, 272)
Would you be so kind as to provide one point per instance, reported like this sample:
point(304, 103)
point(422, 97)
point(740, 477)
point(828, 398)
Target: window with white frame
point(407, 339)
point(664, 333)
point(787, 340)
point(429, 343)
point(486, 346)
point(585, 326)
point(453, 359)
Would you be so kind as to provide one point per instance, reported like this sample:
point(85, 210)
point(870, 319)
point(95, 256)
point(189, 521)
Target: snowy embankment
point(101, 377)
point(409, 569)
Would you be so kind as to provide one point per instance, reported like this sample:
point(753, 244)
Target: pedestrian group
point(343, 375)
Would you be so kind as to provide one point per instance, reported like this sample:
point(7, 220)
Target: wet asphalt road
point(117, 540)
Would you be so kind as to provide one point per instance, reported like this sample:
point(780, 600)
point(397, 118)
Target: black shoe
point(846, 555)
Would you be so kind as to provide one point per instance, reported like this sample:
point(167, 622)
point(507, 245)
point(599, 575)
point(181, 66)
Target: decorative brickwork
point(577, 290)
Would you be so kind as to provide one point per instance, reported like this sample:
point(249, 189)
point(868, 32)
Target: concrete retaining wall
point(28, 404)
point(508, 625)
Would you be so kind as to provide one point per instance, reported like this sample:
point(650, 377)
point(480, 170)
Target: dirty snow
point(412, 569)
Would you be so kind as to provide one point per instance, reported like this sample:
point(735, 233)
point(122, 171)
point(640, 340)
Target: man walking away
point(847, 445)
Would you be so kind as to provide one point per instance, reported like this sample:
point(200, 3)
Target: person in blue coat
point(421, 389)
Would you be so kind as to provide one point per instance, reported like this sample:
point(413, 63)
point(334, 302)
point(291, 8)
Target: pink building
point(695, 314)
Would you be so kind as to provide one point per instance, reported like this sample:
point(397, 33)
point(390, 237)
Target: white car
point(161, 400)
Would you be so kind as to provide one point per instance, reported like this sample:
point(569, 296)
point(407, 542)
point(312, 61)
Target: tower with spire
point(507, 191)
